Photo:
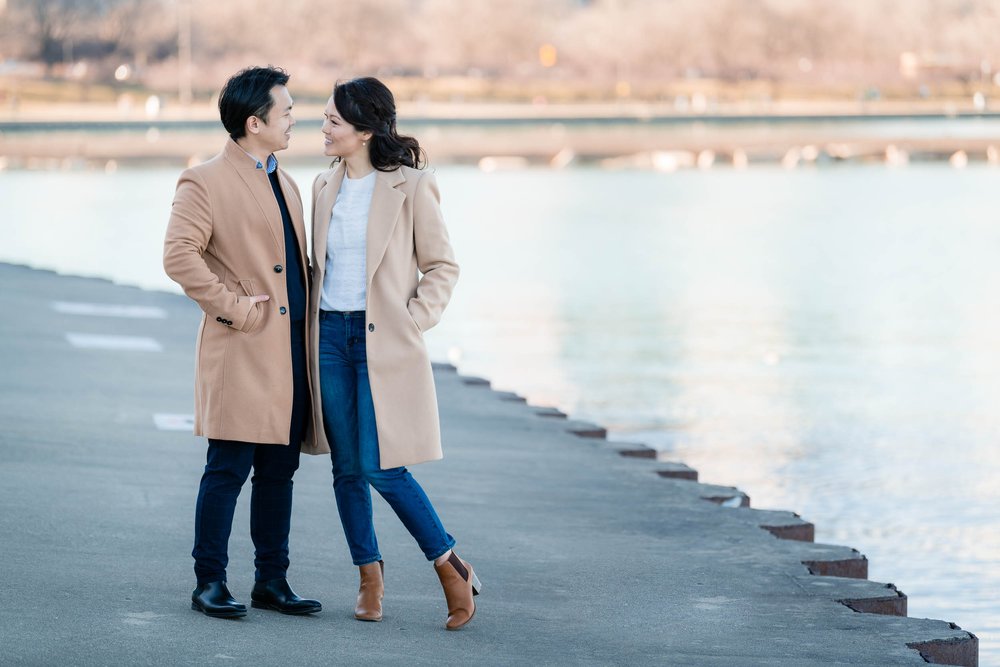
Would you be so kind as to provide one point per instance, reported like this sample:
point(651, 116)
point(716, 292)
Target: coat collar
point(335, 175)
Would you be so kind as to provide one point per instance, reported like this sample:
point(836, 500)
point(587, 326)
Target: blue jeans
point(349, 420)
point(227, 467)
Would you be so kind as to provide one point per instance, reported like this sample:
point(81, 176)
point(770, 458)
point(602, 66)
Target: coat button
point(277, 268)
point(282, 310)
point(371, 327)
point(218, 319)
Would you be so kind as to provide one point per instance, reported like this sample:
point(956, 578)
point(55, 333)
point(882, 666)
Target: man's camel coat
point(406, 237)
point(225, 241)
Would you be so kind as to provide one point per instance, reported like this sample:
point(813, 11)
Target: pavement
point(587, 556)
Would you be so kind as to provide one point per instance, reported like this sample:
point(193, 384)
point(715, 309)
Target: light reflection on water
point(823, 339)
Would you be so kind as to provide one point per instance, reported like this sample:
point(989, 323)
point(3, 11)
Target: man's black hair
point(248, 93)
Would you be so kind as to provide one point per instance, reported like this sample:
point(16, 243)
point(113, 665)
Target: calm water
point(827, 340)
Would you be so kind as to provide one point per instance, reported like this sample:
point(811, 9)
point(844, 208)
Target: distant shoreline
point(514, 136)
point(147, 108)
point(507, 119)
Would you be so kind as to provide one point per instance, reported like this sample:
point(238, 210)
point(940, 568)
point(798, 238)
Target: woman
point(376, 223)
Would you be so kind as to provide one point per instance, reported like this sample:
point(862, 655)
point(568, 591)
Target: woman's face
point(341, 139)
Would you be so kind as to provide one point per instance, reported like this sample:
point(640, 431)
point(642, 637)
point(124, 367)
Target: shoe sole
point(303, 612)
point(218, 614)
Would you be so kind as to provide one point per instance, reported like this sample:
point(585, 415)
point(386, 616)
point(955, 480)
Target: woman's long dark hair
point(368, 105)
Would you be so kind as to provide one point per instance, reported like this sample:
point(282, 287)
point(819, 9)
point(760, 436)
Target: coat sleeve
point(189, 233)
point(435, 257)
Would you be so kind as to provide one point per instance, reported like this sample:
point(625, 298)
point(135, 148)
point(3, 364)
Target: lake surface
point(825, 339)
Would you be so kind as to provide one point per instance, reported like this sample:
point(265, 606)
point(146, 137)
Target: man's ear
point(253, 125)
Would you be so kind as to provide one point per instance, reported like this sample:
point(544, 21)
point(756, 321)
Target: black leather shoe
point(214, 599)
point(276, 594)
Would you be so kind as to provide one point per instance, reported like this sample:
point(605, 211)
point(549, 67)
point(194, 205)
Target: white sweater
point(346, 271)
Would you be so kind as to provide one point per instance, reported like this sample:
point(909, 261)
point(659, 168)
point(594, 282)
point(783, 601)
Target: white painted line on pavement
point(171, 422)
point(108, 342)
point(109, 310)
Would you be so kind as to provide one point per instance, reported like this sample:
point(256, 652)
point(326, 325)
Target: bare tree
point(49, 27)
point(594, 42)
point(136, 29)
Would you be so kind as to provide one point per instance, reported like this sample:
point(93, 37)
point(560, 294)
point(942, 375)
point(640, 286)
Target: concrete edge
point(955, 651)
point(884, 599)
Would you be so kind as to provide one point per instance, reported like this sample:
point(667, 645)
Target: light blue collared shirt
point(272, 162)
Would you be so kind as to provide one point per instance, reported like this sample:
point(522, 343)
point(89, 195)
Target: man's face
point(274, 134)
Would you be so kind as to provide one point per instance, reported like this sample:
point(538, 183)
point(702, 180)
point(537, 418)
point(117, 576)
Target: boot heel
point(476, 585)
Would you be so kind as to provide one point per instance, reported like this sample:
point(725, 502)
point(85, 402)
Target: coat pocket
point(413, 323)
point(247, 287)
point(254, 317)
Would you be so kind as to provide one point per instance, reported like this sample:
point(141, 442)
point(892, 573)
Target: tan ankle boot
point(370, 593)
point(460, 584)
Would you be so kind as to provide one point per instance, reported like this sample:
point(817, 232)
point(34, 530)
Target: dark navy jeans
point(349, 419)
point(229, 463)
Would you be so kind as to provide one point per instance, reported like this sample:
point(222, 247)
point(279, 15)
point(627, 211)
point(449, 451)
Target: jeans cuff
point(442, 552)
point(366, 561)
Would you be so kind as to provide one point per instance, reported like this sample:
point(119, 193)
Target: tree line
point(815, 43)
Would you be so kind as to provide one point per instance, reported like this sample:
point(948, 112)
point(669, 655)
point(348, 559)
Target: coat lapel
point(322, 208)
point(295, 211)
point(260, 188)
point(387, 202)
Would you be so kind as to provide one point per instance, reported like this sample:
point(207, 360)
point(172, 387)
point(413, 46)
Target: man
point(236, 245)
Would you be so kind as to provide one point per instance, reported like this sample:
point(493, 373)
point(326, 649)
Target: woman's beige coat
point(406, 238)
point(225, 241)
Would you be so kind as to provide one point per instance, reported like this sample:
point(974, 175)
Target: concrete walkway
point(586, 556)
